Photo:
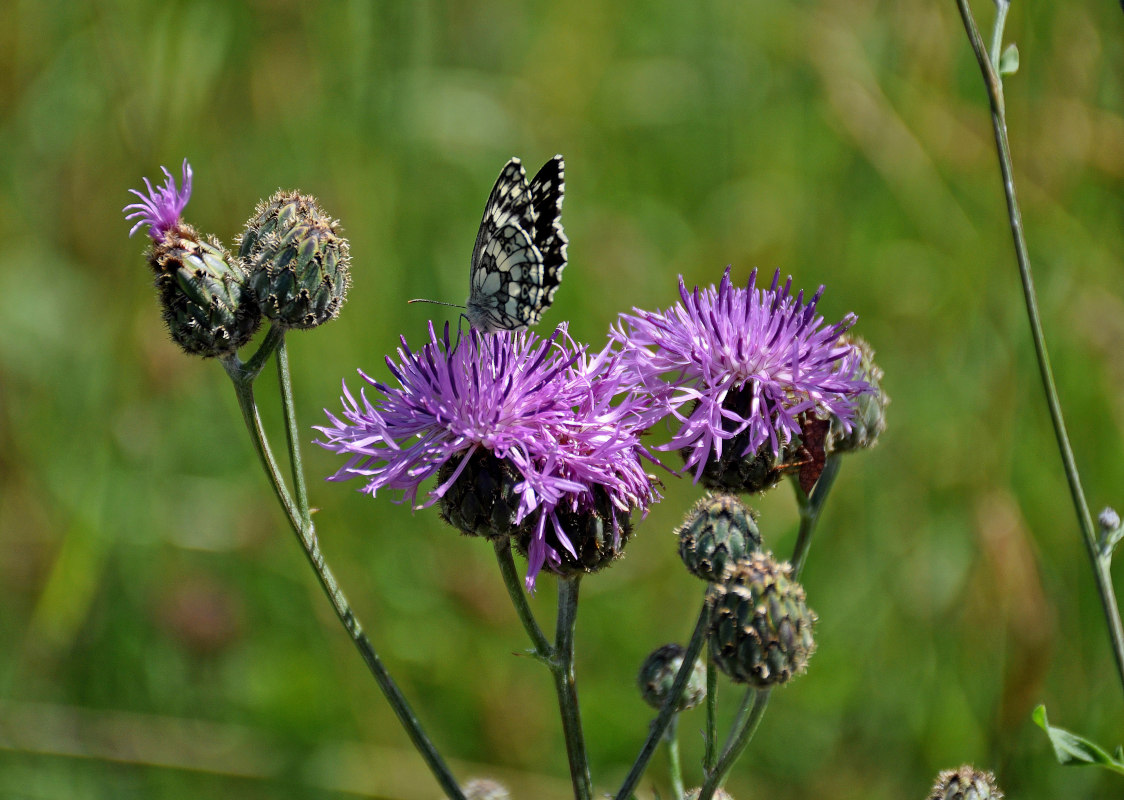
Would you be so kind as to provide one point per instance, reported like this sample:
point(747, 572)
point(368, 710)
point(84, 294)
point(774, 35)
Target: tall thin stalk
point(994, 85)
point(242, 375)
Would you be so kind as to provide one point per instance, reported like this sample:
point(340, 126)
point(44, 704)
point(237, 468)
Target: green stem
point(566, 687)
point(710, 754)
point(810, 508)
point(544, 651)
point(663, 719)
point(737, 744)
point(675, 770)
point(743, 709)
point(242, 378)
point(994, 87)
point(289, 410)
point(1001, 7)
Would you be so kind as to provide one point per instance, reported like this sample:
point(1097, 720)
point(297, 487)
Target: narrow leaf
point(1009, 61)
point(1073, 750)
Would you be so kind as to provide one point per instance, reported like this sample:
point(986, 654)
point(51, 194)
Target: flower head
point(745, 363)
point(161, 208)
point(541, 415)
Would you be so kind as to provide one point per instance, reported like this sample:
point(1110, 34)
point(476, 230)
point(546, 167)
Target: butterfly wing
point(512, 278)
point(546, 190)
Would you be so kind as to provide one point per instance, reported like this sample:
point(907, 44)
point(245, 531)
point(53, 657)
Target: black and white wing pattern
point(520, 251)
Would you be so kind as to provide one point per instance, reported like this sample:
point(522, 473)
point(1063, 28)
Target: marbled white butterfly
point(520, 251)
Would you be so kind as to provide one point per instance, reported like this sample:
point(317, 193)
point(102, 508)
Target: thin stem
point(1101, 574)
point(710, 754)
point(566, 687)
point(736, 745)
point(543, 649)
point(306, 535)
point(743, 709)
point(1001, 7)
point(251, 368)
point(289, 411)
point(810, 508)
point(675, 769)
point(663, 719)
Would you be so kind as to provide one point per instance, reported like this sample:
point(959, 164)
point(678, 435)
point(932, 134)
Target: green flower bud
point(719, 794)
point(207, 306)
point(760, 626)
point(485, 789)
point(966, 783)
point(658, 672)
point(299, 264)
point(870, 408)
point(718, 531)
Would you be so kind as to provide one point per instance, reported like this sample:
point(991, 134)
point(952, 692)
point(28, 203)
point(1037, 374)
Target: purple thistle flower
point(161, 208)
point(727, 362)
point(542, 407)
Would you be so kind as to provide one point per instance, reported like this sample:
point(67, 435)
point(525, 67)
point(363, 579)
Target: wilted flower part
point(657, 674)
point(161, 208)
point(748, 363)
point(509, 408)
point(966, 783)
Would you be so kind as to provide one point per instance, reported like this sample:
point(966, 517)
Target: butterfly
point(520, 251)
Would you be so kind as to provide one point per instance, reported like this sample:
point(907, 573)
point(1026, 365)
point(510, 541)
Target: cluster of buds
point(292, 268)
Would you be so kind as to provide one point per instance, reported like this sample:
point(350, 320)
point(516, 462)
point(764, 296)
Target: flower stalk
point(663, 719)
point(243, 375)
point(994, 85)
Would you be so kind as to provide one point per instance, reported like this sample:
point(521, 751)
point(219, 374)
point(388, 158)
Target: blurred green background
point(160, 633)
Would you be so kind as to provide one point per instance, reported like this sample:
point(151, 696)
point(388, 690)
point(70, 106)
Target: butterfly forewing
point(546, 190)
point(520, 249)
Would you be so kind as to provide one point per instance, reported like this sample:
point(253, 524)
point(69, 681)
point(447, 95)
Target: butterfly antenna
point(434, 302)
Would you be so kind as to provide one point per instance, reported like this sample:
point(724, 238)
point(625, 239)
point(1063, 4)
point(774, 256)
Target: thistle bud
point(658, 672)
point(870, 407)
point(485, 789)
point(299, 264)
point(760, 626)
point(966, 783)
point(207, 306)
point(719, 794)
point(718, 531)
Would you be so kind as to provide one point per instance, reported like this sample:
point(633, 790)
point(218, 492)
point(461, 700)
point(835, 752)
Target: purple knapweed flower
point(541, 411)
point(161, 208)
point(746, 363)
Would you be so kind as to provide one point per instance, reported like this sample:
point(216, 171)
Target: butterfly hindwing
point(520, 250)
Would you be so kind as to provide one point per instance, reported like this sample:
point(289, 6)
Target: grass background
point(160, 633)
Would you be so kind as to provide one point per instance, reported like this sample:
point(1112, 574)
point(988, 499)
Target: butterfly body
point(520, 250)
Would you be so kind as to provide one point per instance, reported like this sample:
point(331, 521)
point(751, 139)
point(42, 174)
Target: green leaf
point(1073, 750)
point(1009, 61)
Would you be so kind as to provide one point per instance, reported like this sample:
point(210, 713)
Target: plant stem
point(663, 719)
point(671, 736)
point(810, 508)
point(544, 651)
point(737, 744)
point(566, 687)
point(296, 464)
point(243, 378)
point(994, 87)
point(710, 754)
